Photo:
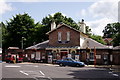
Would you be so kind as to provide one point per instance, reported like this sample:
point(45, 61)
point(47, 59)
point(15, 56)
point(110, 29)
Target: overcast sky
point(97, 14)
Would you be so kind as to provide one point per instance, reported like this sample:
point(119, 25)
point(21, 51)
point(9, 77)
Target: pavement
point(112, 68)
point(96, 66)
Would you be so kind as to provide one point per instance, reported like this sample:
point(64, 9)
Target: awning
point(59, 47)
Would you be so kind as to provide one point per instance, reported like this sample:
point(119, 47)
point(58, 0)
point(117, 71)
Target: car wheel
point(7, 61)
point(61, 64)
point(77, 65)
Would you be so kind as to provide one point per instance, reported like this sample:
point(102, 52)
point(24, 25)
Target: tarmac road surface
point(40, 71)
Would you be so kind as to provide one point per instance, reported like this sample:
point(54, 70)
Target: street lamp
point(22, 43)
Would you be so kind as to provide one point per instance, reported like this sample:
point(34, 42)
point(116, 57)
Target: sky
point(97, 14)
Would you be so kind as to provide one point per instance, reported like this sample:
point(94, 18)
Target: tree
point(22, 25)
point(39, 33)
point(88, 30)
point(112, 30)
point(58, 18)
point(0, 35)
point(108, 31)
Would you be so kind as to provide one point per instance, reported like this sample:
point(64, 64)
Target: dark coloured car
point(70, 62)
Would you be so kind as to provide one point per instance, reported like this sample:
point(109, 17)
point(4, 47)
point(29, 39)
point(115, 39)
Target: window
point(68, 36)
point(59, 36)
point(91, 56)
point(98, 56)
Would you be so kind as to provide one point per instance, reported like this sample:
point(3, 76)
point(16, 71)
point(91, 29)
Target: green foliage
point(88, 30)
point(113, 31)
point(58, 18)
point(108, 31)
point(97, 38)
point(40, 33)
point(0, 35)
point(22, 25)
point(116, 40)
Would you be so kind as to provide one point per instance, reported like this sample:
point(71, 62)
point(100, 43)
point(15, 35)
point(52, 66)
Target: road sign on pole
point(94, 56)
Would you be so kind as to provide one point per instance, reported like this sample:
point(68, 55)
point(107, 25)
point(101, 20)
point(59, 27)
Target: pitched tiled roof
point(92, 43)
point(87, 43)
point(39, 45)
point(63, 47)
point(61, 26)
point(108, 39)
point(117, 47)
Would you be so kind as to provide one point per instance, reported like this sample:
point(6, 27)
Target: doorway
point(64, 54)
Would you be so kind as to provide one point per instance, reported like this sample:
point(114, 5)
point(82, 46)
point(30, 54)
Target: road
point(38, 71)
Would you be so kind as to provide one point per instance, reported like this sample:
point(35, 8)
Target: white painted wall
point(83, 27)
point(53, 25)
point(82, 39)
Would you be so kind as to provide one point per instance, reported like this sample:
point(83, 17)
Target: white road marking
point(42, 73)
point(114, 74)
point(24, 72)
point(111, 69)
point(12, 66)
point(35, 66)
point(33, 73)
point(28, 71)
point(50, 78)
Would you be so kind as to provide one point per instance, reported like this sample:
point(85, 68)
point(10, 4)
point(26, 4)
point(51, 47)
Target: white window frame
point(68, 36)
point(59, 36)
point(91, 56)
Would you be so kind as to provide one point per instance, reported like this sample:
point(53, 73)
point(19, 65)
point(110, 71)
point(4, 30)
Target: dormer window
point(68, 36)
point(59, 36)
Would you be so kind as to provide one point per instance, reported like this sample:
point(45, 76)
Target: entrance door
point(105, 58)
point(64, 55)
point(37, 56)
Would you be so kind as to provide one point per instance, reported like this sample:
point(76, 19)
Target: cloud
point(50, 0)
point(119, 11)
point(22, 0)
point(104, 9)
point(102, 13)
point(56, 12)
point(97, 26)
point(4, 7)
point(83, 12)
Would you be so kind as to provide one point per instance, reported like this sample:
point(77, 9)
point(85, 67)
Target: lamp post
point(22, 43)
point(87, 53)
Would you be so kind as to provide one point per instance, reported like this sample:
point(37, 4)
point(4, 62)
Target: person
point(14, 61)
point(87, 61)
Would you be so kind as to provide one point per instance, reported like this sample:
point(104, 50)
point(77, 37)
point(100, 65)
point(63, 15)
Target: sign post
point(94, 56)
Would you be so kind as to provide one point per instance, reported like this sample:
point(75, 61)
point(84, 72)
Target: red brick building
point(65, 41)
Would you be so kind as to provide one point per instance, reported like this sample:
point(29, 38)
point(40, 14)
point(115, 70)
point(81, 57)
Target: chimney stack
point(82, 26)
point(53, 25)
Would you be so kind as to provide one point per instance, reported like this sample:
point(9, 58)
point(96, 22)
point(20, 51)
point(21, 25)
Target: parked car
point(9, 59)
point(70, 62)
point(19, 60)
